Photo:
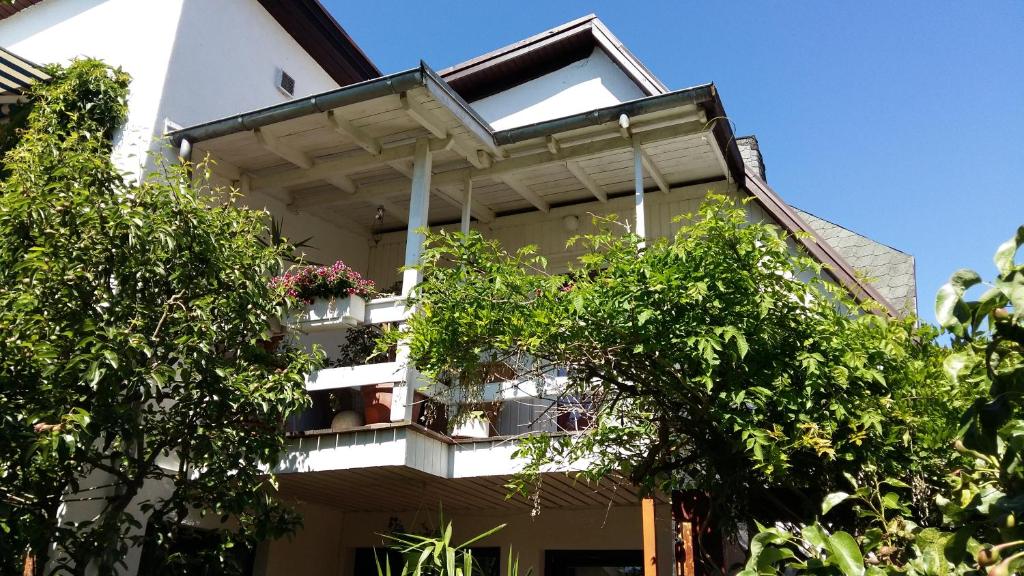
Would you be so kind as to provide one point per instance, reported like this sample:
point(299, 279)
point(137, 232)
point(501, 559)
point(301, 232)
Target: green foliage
point(717, 361)
point(437, 556)
point(985, 496)
point(134, 322)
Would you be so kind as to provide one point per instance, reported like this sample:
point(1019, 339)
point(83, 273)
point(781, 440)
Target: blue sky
point(903, 121)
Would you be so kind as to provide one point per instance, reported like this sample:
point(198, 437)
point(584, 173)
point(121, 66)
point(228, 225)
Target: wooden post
point(650, 541)
point(698, 545)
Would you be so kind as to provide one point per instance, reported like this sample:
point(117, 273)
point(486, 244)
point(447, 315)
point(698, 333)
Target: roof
point(309, 23)
point(889, 270)
point(320, 35)
point(818, 247)
point(17, 74)
point(544, 53)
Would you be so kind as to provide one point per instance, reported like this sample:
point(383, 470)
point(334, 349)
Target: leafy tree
point(984, 497)
point(714, 361)
point(134, 363)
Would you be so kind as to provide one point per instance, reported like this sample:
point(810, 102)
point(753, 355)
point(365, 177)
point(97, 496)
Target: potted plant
point(333, 295)
point(478, 420)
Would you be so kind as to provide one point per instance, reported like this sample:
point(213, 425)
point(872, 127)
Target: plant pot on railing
point(333, 296)
point(481, 421)
point(326, 313)
point(377, 403)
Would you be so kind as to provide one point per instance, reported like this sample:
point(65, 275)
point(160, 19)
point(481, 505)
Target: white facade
point(191, 61)
point(594, 82)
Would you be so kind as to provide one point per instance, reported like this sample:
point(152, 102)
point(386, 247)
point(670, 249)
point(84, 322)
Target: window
point(593, 563)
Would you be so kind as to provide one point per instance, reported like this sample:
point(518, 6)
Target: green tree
point(134, 362)
point(984, 496)
point(715, 360)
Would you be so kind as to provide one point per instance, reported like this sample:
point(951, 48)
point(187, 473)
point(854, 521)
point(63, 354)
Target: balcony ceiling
point(345, 162)
point(397, 488)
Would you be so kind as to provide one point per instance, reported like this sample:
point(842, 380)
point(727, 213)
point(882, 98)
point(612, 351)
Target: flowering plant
point(312, 282)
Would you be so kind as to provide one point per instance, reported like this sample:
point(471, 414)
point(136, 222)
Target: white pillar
point(419, 203)
point(404, 393)
point(467, 200)
point(638, 186)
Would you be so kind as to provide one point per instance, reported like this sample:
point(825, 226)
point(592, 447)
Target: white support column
point(404, 393)
point(467, 203)
point(638, 186)
point(419, 203)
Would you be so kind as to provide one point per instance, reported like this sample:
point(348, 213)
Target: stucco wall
point(591, 83)
point(326, 544)
point(190, 60)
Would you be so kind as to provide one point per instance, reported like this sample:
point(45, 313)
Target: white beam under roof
point(342, 126)
point(422, 116)
point(273, 144)
point(524, 191)
point(652, 169)
point(343, 164)
point(586, 180)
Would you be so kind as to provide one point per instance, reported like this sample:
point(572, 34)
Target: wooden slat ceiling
point(396, 489)
point(682, 152)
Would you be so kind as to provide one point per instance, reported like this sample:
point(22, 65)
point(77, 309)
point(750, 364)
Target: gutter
point(392, 84)
point(700, 96)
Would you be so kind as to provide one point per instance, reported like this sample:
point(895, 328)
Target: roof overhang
point(350, 149)
point(835, 265)
point(543, 53)
point(16, 75)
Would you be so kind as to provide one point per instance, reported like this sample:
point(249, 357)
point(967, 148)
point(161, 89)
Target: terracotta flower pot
point(377, 404)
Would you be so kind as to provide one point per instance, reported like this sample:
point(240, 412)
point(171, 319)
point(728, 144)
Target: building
point(520, 144)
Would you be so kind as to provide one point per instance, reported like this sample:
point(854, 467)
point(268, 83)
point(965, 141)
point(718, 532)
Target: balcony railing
point(512, 407)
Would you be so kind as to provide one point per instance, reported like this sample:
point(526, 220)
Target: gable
point(592, 82)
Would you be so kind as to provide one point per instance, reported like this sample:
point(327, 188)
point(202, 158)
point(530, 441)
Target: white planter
point(473, 428)
point(325, 314)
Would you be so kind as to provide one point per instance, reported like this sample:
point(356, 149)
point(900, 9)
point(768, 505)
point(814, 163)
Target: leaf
point(846, 554)
point(832, 500)
point(950, 310)
point(1004, 255)
point(815, 535)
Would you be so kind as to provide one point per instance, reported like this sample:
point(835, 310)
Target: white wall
point(191, 60)
point(593, 82)
point(547, 232)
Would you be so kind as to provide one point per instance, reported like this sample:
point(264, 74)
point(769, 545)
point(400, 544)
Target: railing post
point(419, 203)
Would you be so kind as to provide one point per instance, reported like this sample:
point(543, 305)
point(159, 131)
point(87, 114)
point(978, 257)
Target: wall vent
point(285, 83)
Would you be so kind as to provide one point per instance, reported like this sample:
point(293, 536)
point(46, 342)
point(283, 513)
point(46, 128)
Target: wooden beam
point(303, 201)
point(524, 191)
point(343, 182)
point(274, 144)
point(716, 151)
point(345, 164)
point(650, 538)
point(546, 158)
point(342, 126)
point(478, 210)
point(586, 180)
point(653, 170)
point(402, 167)
point(355, 162)
point(422, 116)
